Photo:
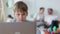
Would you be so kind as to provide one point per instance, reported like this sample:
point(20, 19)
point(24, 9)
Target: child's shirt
point(14, 21)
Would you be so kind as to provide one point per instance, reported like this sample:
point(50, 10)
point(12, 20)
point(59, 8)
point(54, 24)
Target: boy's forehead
point(20, 12)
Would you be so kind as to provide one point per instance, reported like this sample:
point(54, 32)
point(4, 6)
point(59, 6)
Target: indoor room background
point(33, 7)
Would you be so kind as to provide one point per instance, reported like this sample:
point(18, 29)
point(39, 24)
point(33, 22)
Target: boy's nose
point(21, 16)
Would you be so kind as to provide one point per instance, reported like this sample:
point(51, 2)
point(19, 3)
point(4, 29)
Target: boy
point(39, 18)
point(20, 12)
point(50, 20)
point(50, 17)
point(40, 15)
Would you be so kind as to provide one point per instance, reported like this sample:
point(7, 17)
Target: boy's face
point(50, 12)
point(20, 16)
point(41, 11)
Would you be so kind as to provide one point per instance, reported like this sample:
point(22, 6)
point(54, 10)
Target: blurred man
point(50, 17)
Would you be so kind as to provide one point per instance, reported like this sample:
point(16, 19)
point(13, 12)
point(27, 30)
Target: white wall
point(55, 4)
point(34, 5)
point(8, 10)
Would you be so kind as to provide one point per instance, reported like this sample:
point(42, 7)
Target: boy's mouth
point(20, 20)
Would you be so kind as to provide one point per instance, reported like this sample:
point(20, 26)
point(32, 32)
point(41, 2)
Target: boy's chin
point(21, 21)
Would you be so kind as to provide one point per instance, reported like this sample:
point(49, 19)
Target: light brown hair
point(21, 6)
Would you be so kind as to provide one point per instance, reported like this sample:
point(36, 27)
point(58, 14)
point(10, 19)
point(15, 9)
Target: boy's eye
point(23, 14)
point(18, 14)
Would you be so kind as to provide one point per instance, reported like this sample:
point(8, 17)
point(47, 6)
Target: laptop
point(17, 28)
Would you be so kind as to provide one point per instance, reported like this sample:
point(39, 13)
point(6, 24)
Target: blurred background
point(6, 7)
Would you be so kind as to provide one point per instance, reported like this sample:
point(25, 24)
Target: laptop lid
point(17, 28)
